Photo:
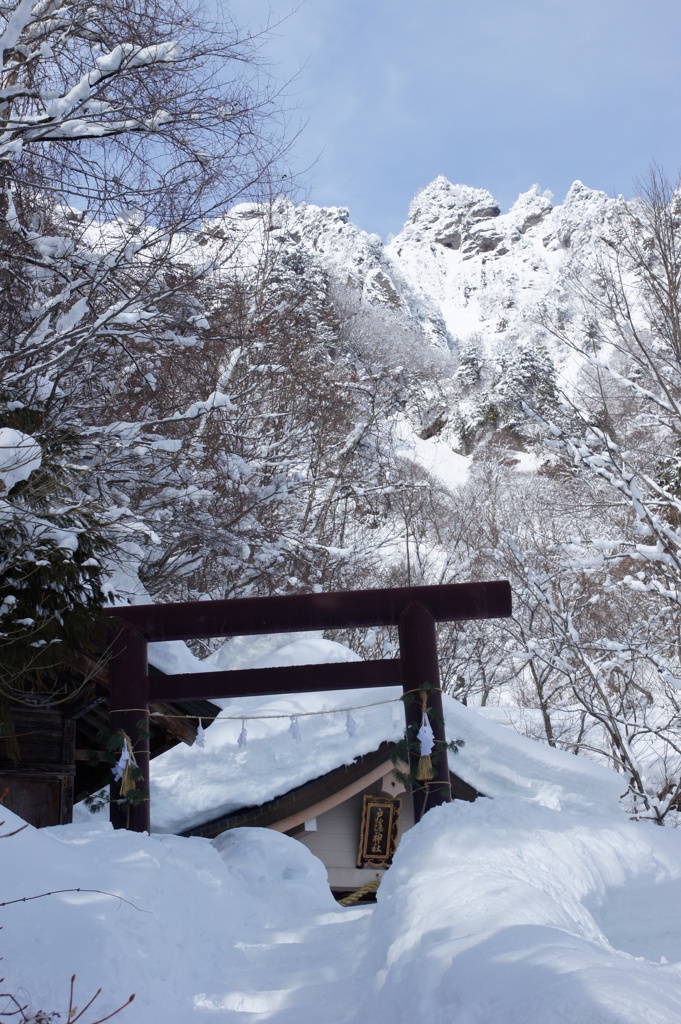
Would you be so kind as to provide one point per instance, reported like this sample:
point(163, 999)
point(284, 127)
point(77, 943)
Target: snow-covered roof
point(193, 785)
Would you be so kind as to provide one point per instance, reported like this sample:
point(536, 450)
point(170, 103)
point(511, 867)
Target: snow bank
point(266, 865)
point(201, 913)
point(509, 913)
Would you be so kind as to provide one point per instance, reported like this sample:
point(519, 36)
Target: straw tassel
point(200, 735)
point(427, 740)
point(123, 769)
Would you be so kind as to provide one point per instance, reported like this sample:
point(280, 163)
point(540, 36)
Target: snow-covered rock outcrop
point(459, 266)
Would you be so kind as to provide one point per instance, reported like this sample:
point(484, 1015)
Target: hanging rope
point(425, 734)
point(283, 714)
point(427, 740)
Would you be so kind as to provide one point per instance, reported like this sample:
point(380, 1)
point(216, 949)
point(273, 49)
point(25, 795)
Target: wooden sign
point(378, 837)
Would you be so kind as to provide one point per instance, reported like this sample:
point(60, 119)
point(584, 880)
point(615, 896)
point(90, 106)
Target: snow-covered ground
point(434, 455)
point(542, 904)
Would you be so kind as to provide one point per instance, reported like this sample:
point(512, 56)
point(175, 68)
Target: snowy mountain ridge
point(459, 265)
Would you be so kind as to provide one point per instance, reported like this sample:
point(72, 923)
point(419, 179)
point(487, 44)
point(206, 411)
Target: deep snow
point(542, 904)
point(504, 910)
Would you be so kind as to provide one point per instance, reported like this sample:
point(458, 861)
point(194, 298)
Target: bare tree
point(613, 609)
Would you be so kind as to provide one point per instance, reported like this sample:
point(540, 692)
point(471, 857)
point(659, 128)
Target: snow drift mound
point(491, 913)
point(264, 865)
point(184, 941)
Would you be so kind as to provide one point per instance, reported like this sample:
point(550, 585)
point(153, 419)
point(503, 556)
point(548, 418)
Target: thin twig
point(56, 892)
point(73, 1015)
point(6, 835)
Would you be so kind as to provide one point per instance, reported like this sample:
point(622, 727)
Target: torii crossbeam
point(414, 610)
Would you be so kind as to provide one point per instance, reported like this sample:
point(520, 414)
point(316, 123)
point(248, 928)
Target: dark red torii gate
point(414, 610)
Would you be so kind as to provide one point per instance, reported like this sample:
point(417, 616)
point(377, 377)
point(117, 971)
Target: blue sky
point(498, 94)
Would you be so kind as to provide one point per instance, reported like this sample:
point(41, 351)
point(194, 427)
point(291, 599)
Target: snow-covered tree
point(612, 607)
point(123, 128)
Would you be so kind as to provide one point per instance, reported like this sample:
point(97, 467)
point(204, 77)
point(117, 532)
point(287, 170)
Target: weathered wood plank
point(39, 735)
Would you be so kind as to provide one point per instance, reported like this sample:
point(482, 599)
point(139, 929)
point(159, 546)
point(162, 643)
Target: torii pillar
point(418, 654)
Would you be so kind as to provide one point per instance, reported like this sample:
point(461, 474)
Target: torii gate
point(414, 610)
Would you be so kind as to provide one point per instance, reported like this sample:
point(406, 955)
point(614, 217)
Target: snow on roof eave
point(318, 796)
point(302, 797)
point(222, 785)
point(191, 788)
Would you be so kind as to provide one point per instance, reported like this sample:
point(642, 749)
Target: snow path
point(319, 963)
point(300, 960)
point(506, 911)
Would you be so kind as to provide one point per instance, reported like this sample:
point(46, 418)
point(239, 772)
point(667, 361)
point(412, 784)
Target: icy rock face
point(585, 213)
point(327, 234)
point(459, 269)
point(450, 215)
point(355, 259)
point(530, 208)
point(486, 273)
